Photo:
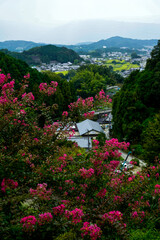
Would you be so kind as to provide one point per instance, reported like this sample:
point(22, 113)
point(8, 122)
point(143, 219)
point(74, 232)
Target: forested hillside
point(45, 54)
point(136, 108)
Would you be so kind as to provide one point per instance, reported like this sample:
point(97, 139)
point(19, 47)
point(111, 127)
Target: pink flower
point(59, 209)
point(76, 215)
point(112, 216)
point(27, 76)
point(86, 173)
point(92, 230)
point(29, 223)
point(41, 191)
point(22, 111)
point(36, 139)
point(8, 184)
point(45, 218)
point(130, 179)
point(102, 193)
point(65, 113)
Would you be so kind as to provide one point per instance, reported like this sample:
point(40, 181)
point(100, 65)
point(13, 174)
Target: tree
point(137, 102)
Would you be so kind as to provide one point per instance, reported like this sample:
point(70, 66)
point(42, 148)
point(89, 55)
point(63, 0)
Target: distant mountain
point(115, 42)
point(19, 45)
point(45, 54)
point(123, 42)
point(83, 43)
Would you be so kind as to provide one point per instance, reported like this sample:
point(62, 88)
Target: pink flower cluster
point(8, 86)
point(138, 216)
point(8, 184)
point(4, 78)
point(112, 216)
point(85, 103)
point(48, 89)
point(76, 215)
point(89, 115)
point(102, 193)
point(96, 142)
point(27, 76)
point(117, 199)
point(41, 192)
point(114, 143)
point(112, 165)
point(65, 113)
point(29, 223)
point(59, 209)
point(69, 181)
point(86, 173)
point(45, 218)
point(92, 230)
point(130, 179)
point(28, 97)
point(51, 129)
point(7, 90)
point(157, 189)
point(22, 111)
point(102, 96)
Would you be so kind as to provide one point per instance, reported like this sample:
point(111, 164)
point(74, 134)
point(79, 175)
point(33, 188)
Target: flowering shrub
point(157, 189)
point(86, 193)
point(92, 230)
point(48, 89)
point(45, 218)
point(86, 173)
point(59, 209)
point(29, 223)
point(8, 184)
point(76, 215)
point(41, 192)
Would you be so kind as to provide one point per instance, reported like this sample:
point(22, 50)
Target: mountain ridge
point(115, 41)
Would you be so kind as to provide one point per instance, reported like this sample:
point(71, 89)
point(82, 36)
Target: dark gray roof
point(83, 142)
point(89, 126)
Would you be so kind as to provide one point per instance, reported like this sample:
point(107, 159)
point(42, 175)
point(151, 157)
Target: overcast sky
point(26, 18)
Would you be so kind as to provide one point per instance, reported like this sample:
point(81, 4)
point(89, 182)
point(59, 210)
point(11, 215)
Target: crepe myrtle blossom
point(48, 89)
point(92, 230)
point(86, 173)
point(65, 113)
point(8, 184)
point(28, 97)
point(76, 215)
point(41, 192)
point(59, 209)
point(45, 218)
point(29, 223)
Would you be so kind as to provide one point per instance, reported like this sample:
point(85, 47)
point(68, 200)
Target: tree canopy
point(136, 104)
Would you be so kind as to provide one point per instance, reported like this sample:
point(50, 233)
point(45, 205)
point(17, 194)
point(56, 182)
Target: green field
point(63, 72)
point(119, 65)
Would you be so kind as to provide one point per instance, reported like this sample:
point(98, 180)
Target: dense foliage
point(90, 79)
point(46, 54)
point(136, 105)
point(52, 189)
point(17, 68)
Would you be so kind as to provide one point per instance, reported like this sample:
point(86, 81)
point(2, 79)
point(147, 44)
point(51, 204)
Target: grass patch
point(119, 65)
point(63, 72)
